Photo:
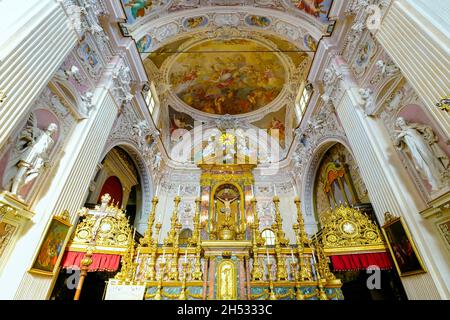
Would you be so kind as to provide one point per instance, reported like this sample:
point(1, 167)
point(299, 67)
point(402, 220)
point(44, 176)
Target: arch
point(241, 197)
point(269, 236)
point(309, 175)
point(303, 23)
point(144, 174)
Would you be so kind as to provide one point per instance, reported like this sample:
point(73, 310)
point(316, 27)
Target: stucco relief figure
point(34, 159)
point(429, 159)
point(387, 69)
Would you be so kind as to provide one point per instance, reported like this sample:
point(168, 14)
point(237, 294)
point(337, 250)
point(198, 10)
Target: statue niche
point(227, 222)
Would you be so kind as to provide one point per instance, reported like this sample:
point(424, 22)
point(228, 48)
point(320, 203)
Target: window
point(269, 237)
point(303, 101)
point(149, 99)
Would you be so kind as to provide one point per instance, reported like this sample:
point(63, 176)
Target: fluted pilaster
point(421, 50)
point(25, 69)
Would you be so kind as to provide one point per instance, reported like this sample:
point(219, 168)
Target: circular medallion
point(349, 228)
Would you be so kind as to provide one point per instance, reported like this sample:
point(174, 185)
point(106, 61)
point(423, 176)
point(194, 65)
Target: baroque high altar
point(226, 258)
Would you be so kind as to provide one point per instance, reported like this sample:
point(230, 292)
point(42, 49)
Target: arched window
point(269, 237)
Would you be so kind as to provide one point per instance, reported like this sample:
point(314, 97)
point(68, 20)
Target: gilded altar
point(227, 257)
point(226, 192)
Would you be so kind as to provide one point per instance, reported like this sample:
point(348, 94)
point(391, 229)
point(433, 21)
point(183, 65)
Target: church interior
point(224, 150)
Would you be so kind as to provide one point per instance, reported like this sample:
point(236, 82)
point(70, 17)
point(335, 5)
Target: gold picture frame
point(402, 247)
point(52, 246)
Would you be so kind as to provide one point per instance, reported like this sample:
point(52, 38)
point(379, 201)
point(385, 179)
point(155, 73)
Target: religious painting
point(293, 51)
point(179, 121)
point(258, 21)
point(275, 124)
point(52, 247)
point(338, 181)
point(227, 76)
point(195, 22)
point(227, 281)
point(137, 9)
point(144, 43)
point(88, 55)
point(364, 55)
point(315, 8)
point(402, 248)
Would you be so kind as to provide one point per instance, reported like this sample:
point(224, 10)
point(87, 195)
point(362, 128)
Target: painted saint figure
point(429, 159)
point(34, 160)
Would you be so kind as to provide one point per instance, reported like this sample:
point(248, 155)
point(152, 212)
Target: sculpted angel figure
point(34, 159)
point(429, 159)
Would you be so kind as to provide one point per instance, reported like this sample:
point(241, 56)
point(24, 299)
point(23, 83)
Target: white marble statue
point(88, 106)
point(157, 161)
point(34, 159)
point(429, 159)
point(368, 102)
point(387, 69)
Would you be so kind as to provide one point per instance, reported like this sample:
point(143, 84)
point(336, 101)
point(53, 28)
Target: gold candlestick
point(272, 295)
point(197, 274)
point(300, 226)
point(173, 223)
point(281, 263)
point(173, 271)
point(293, 270)
point(279, 223)
point(183, 285)
point(162, 266)
point(197, 226)
point(320, 281)
point(147, 240)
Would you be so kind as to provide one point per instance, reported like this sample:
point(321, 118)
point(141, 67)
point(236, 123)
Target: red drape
point(353, 262)
point(113, 186)
point(100, 261)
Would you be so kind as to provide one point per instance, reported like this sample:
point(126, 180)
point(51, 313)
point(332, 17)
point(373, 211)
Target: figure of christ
point(227, 210)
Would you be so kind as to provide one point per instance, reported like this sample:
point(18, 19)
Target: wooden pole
point(85, 263)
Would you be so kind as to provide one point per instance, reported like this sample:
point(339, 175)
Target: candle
point(275, 190)
point(164, 255)
point(295, 189)
point(134, 233)
point(185, 256)
point(179, 190)
point(157, 190)
point(137, 258)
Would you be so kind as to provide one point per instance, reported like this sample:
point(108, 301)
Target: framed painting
point(52, 246)
point(403, 250)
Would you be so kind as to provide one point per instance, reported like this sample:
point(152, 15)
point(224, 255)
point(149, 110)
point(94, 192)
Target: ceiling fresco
point(136, 10)
point(227, 76)
point(316, 8)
